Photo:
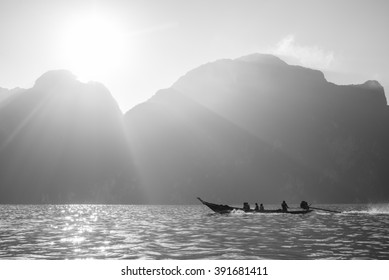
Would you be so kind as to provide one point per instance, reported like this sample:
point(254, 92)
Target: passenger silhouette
point(304, 205)
point(284, 206)
point(246, 206)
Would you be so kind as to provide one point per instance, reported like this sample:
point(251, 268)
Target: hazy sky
point(138, 47)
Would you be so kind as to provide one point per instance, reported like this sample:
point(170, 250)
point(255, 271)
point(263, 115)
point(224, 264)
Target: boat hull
point(225, 209)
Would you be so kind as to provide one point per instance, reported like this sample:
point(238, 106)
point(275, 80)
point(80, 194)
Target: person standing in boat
point(284, 206)
point(256, 207)
point(246, 206)
point(261, 208)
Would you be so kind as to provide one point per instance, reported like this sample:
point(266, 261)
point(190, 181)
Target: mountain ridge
point(292, 110)
point(230, 130)
point(62, 141)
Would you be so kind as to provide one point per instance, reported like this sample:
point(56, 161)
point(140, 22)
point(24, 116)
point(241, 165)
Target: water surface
point(190, 232)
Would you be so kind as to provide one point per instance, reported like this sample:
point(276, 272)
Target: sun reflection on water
point(187, 232)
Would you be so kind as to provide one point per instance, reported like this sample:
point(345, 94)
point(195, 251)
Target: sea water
point(190, 232)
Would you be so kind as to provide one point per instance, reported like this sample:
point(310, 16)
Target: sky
point(136, 48)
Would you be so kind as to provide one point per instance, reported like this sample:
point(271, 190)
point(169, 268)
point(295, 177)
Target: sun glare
point(93, 46)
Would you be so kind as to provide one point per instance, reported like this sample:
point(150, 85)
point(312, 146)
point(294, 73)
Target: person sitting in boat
point(304, 205)
point(284, 206)
point(246, 206)
point(261, 208)
point(256, 207)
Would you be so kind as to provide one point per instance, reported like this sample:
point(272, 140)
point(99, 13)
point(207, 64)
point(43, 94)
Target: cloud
point(309, 56)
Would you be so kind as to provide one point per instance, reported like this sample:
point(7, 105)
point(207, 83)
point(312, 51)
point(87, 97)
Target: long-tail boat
point(225, 209)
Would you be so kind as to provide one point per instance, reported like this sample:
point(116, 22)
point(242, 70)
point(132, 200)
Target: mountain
point(63, 141)
point(258, 128)
point(249, 129)
point(5, 93)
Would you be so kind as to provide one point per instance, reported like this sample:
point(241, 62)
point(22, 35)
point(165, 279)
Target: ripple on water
point(188, 232)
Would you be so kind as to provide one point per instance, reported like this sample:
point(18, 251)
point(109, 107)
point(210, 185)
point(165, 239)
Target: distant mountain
point(5, 93)
point(258, 129)
point(250, 129)
point(63, 141)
